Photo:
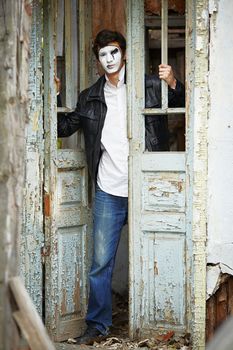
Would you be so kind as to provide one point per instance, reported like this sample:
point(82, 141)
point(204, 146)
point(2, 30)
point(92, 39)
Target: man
point(101, 113)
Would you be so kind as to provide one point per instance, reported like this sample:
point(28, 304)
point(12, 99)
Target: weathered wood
point(67, 224)
point(210, 318)
point(14, 48)
point(86, 69)
point(221, 304)
point(32, 237)
point(230, 296)
point(157, 203)
point(197, 32)
point(28, 319)
point(109, 14)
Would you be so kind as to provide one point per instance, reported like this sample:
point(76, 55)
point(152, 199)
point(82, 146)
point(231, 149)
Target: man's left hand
point(166, 73)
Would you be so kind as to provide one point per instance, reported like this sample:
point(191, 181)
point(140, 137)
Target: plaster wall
point(220, 144)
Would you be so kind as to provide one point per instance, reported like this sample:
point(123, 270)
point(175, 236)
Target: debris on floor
point(118, 337)
point(158, 342)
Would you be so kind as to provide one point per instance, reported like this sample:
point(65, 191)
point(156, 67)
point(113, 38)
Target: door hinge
point(47, 204)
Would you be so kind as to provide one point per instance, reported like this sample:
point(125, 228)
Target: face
point(110, 58)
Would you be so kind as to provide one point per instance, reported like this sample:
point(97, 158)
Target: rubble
point(119, 339)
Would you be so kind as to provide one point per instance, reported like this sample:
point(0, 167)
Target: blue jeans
point(110, 215)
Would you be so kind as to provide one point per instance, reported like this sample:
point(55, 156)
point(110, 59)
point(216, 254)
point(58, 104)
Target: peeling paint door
point(67, 212)
point(32, 236)
point(159, 246)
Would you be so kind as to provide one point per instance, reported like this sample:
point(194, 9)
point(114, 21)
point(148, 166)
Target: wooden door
point(159, 267)
point(32, 236)
point(67, 210)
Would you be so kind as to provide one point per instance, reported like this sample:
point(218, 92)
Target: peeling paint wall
point(220, 144)
point(15, 21)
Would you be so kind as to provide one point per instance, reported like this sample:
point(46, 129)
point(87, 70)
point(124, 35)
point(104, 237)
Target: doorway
point(147, 240)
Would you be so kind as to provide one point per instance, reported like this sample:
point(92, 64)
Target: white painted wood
point(32, 237)
point(163, 161)
point(197, 32)
point(157, 211)
point(68, 219)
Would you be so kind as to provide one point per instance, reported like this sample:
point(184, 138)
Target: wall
point(220, 144)
point(14, 49)
point(108, 14)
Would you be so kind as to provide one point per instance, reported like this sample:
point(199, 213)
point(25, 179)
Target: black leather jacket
point(91, 110)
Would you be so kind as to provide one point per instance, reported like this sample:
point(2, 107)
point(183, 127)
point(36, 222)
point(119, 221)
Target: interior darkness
point(176, 58)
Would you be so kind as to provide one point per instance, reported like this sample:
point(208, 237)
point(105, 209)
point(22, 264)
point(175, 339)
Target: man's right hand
point(58, 84)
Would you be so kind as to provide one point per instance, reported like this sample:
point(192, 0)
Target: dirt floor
point(118, 337)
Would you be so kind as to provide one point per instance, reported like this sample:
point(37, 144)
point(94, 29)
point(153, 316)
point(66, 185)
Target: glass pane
point(167, 133)
point(74, 141)
point(176, 129)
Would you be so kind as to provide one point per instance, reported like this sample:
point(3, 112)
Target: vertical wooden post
point(85, 42)
point(14, 48)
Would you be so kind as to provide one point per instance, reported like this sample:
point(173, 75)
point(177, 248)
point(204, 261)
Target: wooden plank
point(71, 52)
point(210, 318)
point(164, 161)
point(221, 298)
point(109, 14)
point(60, 28)
point(161, 111)
point(28, 319)
point(86, 63)
point(32, 236)
point(230, 296)
point(221, 304)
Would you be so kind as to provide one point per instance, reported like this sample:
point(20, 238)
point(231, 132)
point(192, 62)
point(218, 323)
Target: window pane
point(165, 133)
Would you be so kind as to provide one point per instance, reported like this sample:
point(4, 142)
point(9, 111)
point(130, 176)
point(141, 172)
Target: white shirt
point(113, 167)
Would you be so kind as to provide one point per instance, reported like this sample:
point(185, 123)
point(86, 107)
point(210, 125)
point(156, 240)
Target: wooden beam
point(28, 319)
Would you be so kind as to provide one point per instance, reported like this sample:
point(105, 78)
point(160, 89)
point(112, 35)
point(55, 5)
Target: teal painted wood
point(67, 223)
point(157, 218)
point(32, 238)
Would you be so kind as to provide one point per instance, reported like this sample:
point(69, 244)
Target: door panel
point(72, 220)
point(67, 220)
point(163, 278)
point(32, 236)
point(157, 202)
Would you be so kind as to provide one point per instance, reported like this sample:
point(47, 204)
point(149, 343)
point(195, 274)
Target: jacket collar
point(96, 91)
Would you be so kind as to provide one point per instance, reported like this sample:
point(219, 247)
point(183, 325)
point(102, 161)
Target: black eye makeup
point(102, 54)
point(113, 52)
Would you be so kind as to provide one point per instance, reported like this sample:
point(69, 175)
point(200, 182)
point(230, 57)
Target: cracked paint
point(220, 147)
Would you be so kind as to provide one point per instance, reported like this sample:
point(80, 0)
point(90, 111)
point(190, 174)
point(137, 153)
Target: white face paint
point(110, 58)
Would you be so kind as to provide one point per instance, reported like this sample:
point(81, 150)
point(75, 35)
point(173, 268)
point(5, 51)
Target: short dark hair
point(105, 37)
